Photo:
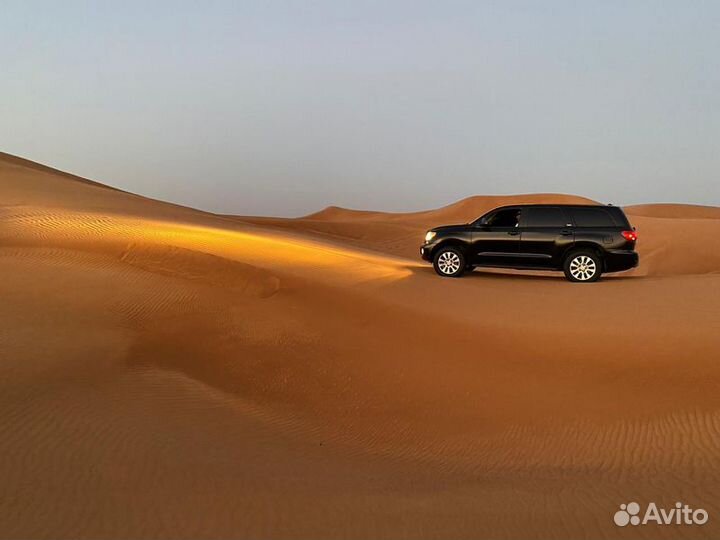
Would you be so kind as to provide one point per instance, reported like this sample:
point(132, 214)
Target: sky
point(265, 107)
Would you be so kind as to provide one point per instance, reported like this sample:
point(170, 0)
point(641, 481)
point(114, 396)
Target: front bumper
point(426, 252)
point(618, 260)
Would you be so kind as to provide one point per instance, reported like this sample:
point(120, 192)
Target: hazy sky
point(268, 107)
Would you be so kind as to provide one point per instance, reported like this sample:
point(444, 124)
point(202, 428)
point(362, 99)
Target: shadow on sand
point(505, 275)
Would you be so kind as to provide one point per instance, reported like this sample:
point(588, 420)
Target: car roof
point(550, 205)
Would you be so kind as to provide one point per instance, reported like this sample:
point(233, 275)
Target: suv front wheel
point(583, 266)
point(449, 262)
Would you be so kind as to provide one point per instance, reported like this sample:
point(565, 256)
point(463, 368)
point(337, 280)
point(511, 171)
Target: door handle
point(566, 233)
point(513, 233)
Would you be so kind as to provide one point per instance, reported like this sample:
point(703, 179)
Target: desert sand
point(170, 373)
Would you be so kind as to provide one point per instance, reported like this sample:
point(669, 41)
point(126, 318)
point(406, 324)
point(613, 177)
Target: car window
point(544, 217)
point(592, 217)
point(505, 218)
point(619, 216)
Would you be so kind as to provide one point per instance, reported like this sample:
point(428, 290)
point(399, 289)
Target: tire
point(583, 266)
point(449, 262)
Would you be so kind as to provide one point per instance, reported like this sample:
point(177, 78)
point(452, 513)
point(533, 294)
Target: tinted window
point(619, 217)
point(544, 217)
point(592, 217)
point(504, 218)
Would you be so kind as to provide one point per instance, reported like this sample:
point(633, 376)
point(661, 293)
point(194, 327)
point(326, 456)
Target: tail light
point(630, 236)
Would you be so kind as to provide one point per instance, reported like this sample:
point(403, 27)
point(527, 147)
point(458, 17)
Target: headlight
point(429, 236)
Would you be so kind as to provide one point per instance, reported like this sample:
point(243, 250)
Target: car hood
point(450, 228)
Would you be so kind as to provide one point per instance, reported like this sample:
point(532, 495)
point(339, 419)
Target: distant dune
point(459, 212)
point(171, 373)
point(675, 211)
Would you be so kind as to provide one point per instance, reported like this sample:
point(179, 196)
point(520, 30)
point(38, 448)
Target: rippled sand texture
point(168, 373)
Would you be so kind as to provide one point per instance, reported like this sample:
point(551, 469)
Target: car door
point(545, 233)
point(496, 240)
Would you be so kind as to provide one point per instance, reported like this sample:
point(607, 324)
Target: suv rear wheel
point(449, 262)
point(583, 266)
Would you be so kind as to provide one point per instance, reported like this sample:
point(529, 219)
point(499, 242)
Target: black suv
point(582, 240)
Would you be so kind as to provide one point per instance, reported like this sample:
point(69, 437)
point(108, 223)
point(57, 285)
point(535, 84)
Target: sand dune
point(675, 211)
point(170, 373)
point(459, 212)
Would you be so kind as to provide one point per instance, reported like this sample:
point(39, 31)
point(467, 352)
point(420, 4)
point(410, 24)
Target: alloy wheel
point(448, 262)
point(583, 268)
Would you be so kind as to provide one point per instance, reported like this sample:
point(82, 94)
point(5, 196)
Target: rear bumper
point(618, 260)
